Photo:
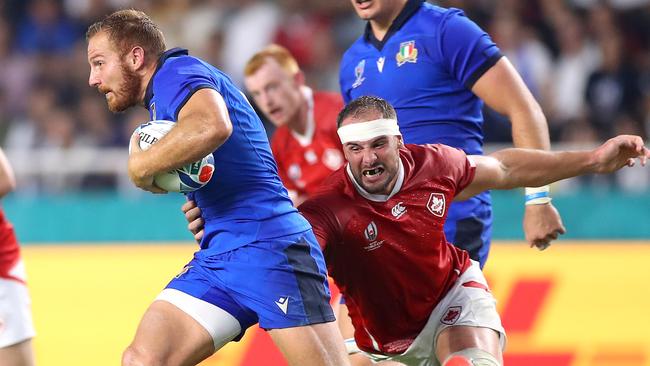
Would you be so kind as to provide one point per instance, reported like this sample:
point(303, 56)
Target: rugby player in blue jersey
point(437, 67)
point(259, 260)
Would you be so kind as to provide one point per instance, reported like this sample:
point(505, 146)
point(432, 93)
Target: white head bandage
point(365, 131)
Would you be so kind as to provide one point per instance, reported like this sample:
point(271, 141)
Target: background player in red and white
point(16, 326)
point(305, 145)
point(413, 297)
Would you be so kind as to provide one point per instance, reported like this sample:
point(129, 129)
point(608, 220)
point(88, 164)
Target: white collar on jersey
point(306, 139)
point(378, 197)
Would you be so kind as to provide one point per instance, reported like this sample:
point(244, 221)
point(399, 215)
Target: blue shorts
point(469, 226)
point(278, 283)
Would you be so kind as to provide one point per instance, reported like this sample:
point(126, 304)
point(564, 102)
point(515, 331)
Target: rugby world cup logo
point(371, 231)
point(358, 73)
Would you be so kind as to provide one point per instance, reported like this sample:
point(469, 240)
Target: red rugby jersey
point(304, 162)
point(9, 250)
point(391, 259)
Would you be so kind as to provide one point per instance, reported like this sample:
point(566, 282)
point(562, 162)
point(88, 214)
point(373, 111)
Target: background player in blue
point(259, 261)
point(433, 64)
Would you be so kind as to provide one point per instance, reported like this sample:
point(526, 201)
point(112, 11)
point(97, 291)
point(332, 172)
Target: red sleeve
point(322, 221)
point(461, 169)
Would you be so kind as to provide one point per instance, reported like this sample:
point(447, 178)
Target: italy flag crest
point(407, 53)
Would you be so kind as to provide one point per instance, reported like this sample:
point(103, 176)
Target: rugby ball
point(190, 177)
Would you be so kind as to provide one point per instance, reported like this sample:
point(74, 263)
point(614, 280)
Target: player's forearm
point(503, 90)
point(182, 145)
point(203, 125)
point(533, 168)
point(529, 128)
point(7, 178)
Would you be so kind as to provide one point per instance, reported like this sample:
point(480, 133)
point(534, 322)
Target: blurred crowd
point(586, 61)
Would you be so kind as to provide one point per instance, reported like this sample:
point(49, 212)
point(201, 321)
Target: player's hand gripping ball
point(186, 179)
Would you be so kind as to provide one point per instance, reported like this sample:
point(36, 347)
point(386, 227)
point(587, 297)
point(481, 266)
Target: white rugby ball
point(190, 177)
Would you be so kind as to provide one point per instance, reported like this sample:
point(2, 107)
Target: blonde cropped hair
point(129, 28)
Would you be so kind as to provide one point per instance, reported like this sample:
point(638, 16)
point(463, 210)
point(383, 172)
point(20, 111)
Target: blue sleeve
point(176, 84)
point(466, 50)
point(345, 91)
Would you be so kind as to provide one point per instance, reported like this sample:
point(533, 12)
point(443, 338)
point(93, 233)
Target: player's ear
point(135, 58)
point(299, 78)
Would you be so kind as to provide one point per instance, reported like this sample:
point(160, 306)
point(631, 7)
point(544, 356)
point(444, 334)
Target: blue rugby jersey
point(245, 200)
point(425, 67)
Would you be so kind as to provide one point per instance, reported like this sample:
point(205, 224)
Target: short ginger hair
point(276, 52)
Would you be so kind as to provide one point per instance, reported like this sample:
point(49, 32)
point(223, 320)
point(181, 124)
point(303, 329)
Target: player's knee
point(471, 357)
point(133, 356)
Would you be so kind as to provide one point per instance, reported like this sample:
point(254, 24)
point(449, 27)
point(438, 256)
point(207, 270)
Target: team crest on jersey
point(451, 315)
point(436, 204)
point(152, 110)
point(358, 73)
point(407, 53)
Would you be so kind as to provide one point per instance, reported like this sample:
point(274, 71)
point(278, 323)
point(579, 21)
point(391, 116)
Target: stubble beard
point(377, 188)
point(128, 92)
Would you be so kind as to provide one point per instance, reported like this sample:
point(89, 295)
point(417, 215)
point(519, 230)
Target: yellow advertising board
point(576, 304)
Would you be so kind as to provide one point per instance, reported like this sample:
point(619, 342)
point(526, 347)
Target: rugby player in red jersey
point(305, 144)
point(16, 325)
point(412, 296)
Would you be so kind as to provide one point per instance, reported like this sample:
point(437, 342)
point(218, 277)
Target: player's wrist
point(538, 195)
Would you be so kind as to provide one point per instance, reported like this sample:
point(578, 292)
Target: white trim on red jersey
point(306, 139)
point(378, 197)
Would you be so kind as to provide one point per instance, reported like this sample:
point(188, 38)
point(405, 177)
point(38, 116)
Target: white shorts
point(467, 303)
point(15, 309)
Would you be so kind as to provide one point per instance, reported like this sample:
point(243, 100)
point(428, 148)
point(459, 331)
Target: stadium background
point(97, 251)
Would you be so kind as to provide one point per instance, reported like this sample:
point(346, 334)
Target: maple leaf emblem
point(452, 315)
point(436, 204)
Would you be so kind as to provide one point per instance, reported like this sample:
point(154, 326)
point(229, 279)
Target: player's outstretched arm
point(510, 168)
point(502, 88)
point(203, 125)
